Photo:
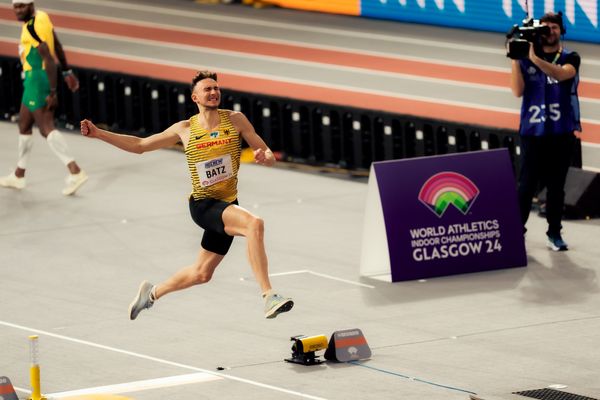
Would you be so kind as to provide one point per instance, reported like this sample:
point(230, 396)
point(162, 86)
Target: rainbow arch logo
point(448, 188)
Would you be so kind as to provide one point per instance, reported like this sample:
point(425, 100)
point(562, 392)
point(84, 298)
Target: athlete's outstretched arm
point(262, 153)
point(131, 143)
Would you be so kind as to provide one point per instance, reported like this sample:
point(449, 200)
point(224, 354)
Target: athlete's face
point(553, 37)
point(207, 93)
point(24, 12)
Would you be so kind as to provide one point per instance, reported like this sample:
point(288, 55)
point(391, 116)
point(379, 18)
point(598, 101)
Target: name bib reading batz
point(214, 171)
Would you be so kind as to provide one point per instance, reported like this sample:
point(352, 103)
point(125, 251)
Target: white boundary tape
point(307, 271)
point(137, 386)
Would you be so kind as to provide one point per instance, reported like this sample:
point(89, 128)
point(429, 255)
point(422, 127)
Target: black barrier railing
point(310, 133)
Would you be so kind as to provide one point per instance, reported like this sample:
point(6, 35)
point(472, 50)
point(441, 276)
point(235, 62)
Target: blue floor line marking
point(411, 378)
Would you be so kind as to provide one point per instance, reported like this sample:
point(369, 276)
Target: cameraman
point(548, 81)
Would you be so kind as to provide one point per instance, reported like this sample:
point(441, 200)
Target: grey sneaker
point(275, 305)
point(141, 301)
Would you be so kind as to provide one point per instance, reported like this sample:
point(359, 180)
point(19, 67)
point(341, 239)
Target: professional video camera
point(519, 37)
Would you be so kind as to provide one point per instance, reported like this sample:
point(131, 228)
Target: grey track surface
point(70, 267)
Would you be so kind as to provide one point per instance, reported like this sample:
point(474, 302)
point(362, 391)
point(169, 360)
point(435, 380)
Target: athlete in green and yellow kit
point(212, 142)
point(38, 48)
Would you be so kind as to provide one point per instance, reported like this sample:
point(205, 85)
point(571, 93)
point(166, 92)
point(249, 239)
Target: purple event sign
point(450, 214)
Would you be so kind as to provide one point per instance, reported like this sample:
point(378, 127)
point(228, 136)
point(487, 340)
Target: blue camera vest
point(549, 107)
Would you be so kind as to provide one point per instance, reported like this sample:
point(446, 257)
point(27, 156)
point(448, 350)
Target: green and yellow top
point(30, 57)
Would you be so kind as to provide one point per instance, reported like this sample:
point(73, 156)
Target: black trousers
point(545, 161)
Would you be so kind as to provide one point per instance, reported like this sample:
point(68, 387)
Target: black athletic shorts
point(208, 214)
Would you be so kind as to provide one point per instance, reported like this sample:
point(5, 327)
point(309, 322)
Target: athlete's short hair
point(203, 75)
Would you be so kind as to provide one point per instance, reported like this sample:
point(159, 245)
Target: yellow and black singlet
point(214, 159)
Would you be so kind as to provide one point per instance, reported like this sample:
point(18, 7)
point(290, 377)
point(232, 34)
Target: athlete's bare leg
point(240, 222)
point(198, 273)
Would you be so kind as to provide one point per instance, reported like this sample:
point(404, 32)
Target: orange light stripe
point(292, 52)
point(351, 7)
point(396, 105)
point(352, 341)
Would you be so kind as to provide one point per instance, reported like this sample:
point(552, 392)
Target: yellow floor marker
point(34, 369)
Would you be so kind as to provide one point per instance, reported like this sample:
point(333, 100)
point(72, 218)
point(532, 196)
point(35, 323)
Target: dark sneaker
point(275, 305)
point(142, 300)
point(556, 243)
